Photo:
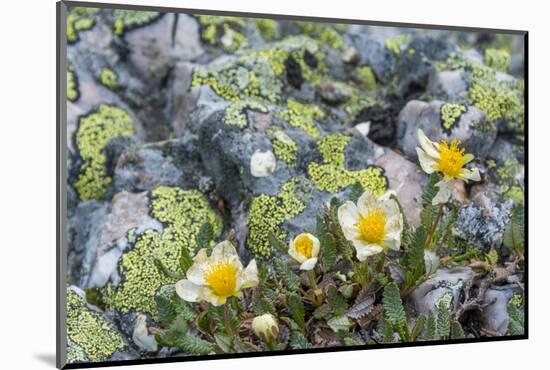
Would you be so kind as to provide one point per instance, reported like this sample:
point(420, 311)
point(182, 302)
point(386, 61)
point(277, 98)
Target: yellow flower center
point(451, 158)
point(373, 226)
point(222, 278)
point(304, 245)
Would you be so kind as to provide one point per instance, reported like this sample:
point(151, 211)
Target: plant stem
point(312, 278)
point(428, 243)
point(226, 319)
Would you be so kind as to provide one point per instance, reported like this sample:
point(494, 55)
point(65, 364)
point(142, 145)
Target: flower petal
point(444, 193)
point(364, 250)
point(316, 246)
point(348, 217)
point(196, 273)
point(426, 162)
point(308, 264)
point(300, 258)
point(429, 146)
point(187, 291)
point(467, 158)
point(224, 250)
point(366, 201)
point(393, 241)
point(472, 174)
point(249, 276)
point(387, 196)
point(201, 256)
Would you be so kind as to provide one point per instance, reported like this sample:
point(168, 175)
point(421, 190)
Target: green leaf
point(224, 342)
point(296, 309)
point(263, 305)
point(393, 306)
point(195, 345)
point(166, 271)
point(337, 302)
point(516, 321)
point(356, 191)
point(216, 315)
point(386, 331)
point(362, 273)
point(514, 233)
point(276, 244)
point(456, 331)
point(328, 252)
point(290, 279)
point(443, 320)
point(322, 312)
point(339, 323)
point(406, 227)
point(174, 331)
point(299, 341)
point(186, 261)
point(346, 338)
point(430, 190)
point(431, 331)
point(418, 327)
point(204, 237)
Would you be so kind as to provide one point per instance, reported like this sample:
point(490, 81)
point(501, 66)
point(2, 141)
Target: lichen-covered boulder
point(445, 121)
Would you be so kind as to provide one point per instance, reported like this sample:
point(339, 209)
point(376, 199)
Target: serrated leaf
point(276, 244)
point(431, 330)
point(386, 331)
point(204, 237)
point(195, 345)
point(224, 342)
point(322, 312)
point(362, 308)
point(393, 306)
point(290, 279)
point(418, 327)
point(338, 323)
point(516, 320)
point(299, 341)
point(175, 330)
point(514, 233)
point(337, 302)
point(166, 271)
point(457, 332)
point(329, 252)
point(185, 261)
point(346, 338)
point(356, 191)
point(297, 310)
point(263, 305)
point(443, 320)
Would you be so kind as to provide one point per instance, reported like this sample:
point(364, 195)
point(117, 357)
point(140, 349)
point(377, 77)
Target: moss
point(72, 84)
point(450, 114)
point(267, 28)
point(267, 213)
point(497, 59)
point(332, 175)
point(260, 74)
point(226, 32)
point(94, 132)
point(284, 147)
point(301, 116)
point(109, 78)
point(94, 338)
point(235, 116)
point(182, 212)
point(79, 19)
point(366, 76)
point(395, 44)
point(126, 20)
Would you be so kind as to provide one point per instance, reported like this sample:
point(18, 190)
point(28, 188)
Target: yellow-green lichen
point(260, 74)
point(108, 78)
point(394, 44)
point(497, 59)
point(450, 113)
point(266, 215)
point(366, 76)
point(284, 147)
point(79, 19)
point(182, 212)
point(357, 102)
point(267, 28)
point(301, 116)
point(325, 33)
point(95, 338)
point(332, 175)
point(126, 20)
point(235, 115)
point(94, 132)
point(72, 84)
point(223, 31)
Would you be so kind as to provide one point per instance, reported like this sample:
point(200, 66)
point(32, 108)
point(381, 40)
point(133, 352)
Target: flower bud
point(265, 327)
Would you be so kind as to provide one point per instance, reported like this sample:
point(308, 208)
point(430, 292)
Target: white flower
point(373, 225)
point(449, 160)
point(305, 250)
point(265, 327)
point(218, 277)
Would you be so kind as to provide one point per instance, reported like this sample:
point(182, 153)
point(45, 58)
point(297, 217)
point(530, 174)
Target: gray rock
point(373, 53)
point(448, 84)
point(472, 129)
point(495, 315)
point(445, 281)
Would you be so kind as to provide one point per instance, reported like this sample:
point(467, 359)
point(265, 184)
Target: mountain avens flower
point(305, 249)
point(214, 279)
point(373, 225)
point(448, 159)
point(265, 327)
